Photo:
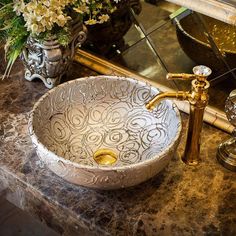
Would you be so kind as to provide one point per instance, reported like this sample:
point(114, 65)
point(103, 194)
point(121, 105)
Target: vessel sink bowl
point(96, 132)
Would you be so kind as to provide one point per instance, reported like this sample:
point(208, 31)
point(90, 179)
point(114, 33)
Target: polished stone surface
point(181, 200)
point(15, 222)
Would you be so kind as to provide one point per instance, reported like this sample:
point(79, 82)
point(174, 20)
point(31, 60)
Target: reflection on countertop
point(179, 201)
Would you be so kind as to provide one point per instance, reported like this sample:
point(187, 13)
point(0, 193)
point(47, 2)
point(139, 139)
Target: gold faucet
point(198, 98)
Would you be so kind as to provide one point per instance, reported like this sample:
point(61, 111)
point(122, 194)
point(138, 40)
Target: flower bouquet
point(46, 32)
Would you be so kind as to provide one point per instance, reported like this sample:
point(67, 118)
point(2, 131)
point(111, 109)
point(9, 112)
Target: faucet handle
point(199, 72)
point(180, 76)
point(202, 71)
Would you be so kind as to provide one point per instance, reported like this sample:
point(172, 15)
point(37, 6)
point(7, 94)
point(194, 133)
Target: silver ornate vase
point(48, 60)
point(226, 153)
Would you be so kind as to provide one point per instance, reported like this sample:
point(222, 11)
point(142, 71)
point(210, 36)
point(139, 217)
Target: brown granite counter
point(179, 201)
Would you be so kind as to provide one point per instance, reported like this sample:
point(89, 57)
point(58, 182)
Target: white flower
point(18, 6)
point(90, 22)
point(43, 15)
point(103, 18)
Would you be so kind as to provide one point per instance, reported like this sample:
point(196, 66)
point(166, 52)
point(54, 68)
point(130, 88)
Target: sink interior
point(105, 113)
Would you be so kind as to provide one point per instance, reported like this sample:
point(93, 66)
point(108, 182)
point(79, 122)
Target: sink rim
point(40, 145)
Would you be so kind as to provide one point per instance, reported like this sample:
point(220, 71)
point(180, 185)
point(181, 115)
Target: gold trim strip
point(211, 116)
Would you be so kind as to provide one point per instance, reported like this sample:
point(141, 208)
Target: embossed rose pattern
point(102, 113)
point(72, 121)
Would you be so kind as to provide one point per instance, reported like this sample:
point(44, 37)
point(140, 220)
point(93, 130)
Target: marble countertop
point(181, 200)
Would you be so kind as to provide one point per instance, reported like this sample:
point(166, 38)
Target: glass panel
point(142, 59)
point(133, 36)
point(156, 15)
point(167, 46)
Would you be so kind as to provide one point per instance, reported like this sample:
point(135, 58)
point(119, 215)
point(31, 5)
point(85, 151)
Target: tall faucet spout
point(198, 100)
point(167, 95)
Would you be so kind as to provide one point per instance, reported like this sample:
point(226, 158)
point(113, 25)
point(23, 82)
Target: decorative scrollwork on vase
point(48, 60)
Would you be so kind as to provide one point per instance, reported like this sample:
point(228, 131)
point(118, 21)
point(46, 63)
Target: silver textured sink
point(96, 132)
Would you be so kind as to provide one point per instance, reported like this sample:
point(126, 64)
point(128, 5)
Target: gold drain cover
point(105, 156)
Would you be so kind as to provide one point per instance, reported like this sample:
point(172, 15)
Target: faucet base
point(190, 162)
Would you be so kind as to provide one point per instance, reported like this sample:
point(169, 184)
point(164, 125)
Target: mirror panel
point(165, 37)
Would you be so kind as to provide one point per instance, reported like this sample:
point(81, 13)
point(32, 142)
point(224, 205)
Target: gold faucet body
point(198, 99)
